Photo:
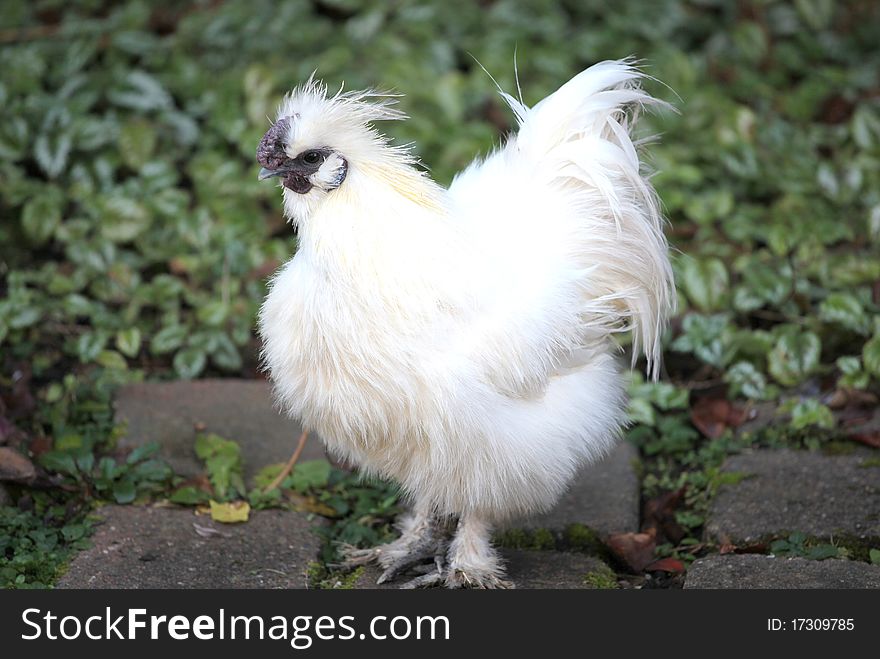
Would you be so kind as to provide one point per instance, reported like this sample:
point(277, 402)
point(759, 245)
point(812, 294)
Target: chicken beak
point(269, 173)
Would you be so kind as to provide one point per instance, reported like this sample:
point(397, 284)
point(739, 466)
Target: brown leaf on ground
point(754, 548)
point(635, 550)
point(19, 400)
point(672, 565)
point(869, 437)
point(727, 548)
point(659, 514)
point(10, 434)
point(40, 445)
point(712, 416)
point(848, 398)
point(200, 482)
point(15, 467)
point(306, 504)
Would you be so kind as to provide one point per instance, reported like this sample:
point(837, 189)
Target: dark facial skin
point(295, 172)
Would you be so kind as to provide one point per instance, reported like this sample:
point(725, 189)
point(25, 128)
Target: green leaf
point(821, 552)
point(59, 461)
point(811, 412)
point(874, 555)
point(641, 412)
point(111, 359)
point(226, 355)
point(845, 310)
point(137, 141)
point(89, 345)
point(128, 341)
point(123, 219)
point(223, 462)
point(168, 339)
point(267, 474)
point(140, 91)
point(143, 452)
point(705, 282)
point(189, 496)
point(51, 151)
point(124, 491)
point(795, 356)
point(311, 474)
point(24, 316)
point(871, 356)
point(213, 313)
point(41, 216)
point(155, 471)
point(708, 337)
point(744, 379)
point(189, 362)
point(816, 13)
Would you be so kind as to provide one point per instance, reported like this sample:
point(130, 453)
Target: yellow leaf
point(230, 513)
point(311, 505)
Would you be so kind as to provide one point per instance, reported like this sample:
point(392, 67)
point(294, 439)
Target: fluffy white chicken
point(460, 341)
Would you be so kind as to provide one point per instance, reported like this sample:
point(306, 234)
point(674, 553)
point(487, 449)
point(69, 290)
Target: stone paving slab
point(241, 410)
point(527, 569)
point(757, 571)
point(805, 491)
point(604, 496)
point(147, 547)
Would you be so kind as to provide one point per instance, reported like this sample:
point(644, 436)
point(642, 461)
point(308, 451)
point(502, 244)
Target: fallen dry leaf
point(634, 549)
point(659, 514)
point(869, 437)
point(712, 416)
point(15, 467)
point(40, 445)
point(668, 564)
point(230, 513)
point(306, 504)
point(845, 397)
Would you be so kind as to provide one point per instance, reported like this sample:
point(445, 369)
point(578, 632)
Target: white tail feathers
point(580, 137)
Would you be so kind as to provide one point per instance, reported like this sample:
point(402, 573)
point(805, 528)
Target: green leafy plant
point(798, 544)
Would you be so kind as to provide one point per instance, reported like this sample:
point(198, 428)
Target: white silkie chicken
point(460, 341)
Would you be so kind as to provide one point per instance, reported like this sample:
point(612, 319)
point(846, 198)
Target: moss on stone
point(583, 538)
point(320, 578)
point(601, 578)
point(837, 447)
point(537, 539)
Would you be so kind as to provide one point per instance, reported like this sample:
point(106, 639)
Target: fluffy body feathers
point(460, 341)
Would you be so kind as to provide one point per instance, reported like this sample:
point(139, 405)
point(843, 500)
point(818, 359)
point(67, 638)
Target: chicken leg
point(423, 535)
point(471, 562)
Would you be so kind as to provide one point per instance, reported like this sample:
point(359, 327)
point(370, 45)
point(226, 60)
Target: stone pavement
point(757, 571)
point(172, 413)
point(780, 492)
point(832, 498)
point(784, 490)
point(150, 547)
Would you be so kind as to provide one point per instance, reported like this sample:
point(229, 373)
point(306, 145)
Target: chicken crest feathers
point(343, 120)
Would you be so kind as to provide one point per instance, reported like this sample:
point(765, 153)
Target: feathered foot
point(423, 536)
point(471, 562)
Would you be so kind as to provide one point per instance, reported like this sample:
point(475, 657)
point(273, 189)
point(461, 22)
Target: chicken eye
point(312, 157)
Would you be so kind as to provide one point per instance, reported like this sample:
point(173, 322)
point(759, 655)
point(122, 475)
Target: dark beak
point(269, 173)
